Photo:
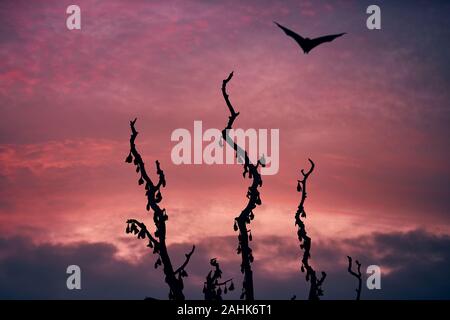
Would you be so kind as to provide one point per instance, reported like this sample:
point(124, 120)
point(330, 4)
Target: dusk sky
point(371, 108)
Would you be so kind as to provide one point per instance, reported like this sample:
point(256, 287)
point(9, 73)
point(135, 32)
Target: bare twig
point(188, 257)
point(356, 275)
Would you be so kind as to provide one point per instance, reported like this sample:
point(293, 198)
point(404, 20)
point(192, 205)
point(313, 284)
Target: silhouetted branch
point(302, 184)
point(253, 195)
point(153, 193)
point(212, 287)
point(188, 257)
point(305, 241)
point(143, 230)
point(357, 275)
point(234, 114)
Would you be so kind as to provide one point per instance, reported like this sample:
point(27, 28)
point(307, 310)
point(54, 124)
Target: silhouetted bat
point(305, 43)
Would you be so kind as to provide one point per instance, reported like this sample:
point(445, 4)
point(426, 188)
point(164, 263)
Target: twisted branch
point(174, 279)
point(188, 257)
point(253, 195)
point(356, 275)
point(305, 241)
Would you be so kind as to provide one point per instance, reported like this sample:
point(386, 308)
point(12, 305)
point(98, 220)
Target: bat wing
point(316, 41)
point(300, 40)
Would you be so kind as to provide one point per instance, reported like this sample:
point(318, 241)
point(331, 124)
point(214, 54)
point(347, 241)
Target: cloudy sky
point(371, 109)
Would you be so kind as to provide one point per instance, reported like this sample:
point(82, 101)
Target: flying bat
point(305, 43)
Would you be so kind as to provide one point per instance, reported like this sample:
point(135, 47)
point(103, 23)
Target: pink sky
point(372, 117)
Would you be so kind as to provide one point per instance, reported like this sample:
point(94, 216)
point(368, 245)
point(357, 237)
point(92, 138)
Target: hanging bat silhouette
point(305, 43)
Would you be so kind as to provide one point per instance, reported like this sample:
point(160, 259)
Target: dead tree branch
point(357, 275)
point(212, 288)
point(315, 290)
point(174, 279)
point(246, 215)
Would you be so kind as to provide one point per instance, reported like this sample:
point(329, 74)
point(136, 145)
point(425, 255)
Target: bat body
point(308, 44)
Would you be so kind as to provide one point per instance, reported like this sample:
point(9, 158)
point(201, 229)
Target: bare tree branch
point(142, 226)
point(174, 279)
point(188, 257)
point(356, 275)
point(305, 241)
point(253, 195)
point(225, 282)
point(212, 288)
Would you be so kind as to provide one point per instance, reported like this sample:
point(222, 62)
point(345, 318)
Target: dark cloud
point(39, 272)
point(417, 261)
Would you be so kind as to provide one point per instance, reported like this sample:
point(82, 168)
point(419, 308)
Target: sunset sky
point(372, 109)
